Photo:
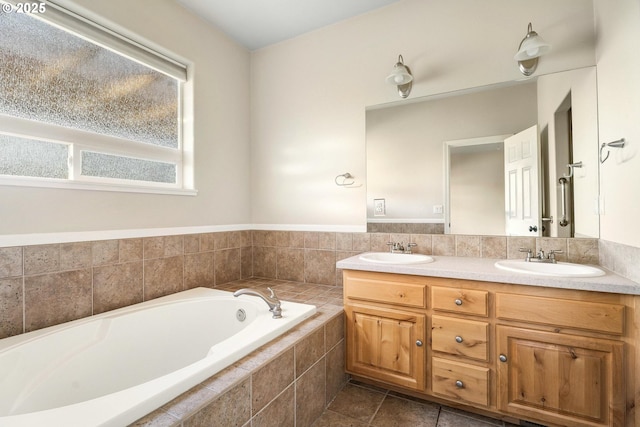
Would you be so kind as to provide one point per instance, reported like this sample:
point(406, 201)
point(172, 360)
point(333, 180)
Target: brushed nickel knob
point(502, 358)
point(419, 343)
point(459, 384)
point(459, 339)
point(458, 301)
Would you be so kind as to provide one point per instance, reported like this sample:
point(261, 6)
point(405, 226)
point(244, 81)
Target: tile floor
point(362, 405)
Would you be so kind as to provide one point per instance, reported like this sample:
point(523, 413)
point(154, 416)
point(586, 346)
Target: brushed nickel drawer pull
point(459, 339)
point(459, 384)
point(458, 301)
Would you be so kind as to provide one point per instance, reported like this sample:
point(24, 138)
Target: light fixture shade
point(533, 46)
point(401, 77)
point(530, 49)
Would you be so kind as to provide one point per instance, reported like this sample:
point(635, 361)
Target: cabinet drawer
point(386, 291)
point(456, 300)
point(460, 336)
point(461, 381)
point(591, 316)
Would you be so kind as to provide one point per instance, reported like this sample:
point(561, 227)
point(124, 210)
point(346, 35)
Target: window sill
point(94, 186)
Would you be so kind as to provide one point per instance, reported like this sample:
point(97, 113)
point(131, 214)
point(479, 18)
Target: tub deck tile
point(221, 398)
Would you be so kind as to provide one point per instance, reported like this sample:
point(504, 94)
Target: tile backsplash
point(44, 285)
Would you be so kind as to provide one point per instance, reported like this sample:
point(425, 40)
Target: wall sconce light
point(401, 77)
point(531, 48)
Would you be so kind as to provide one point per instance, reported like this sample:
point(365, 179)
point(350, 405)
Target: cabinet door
point(386, 344)
point(564, 379)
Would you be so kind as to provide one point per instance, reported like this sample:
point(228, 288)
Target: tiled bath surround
point(48, 284)
point(288, 382)
point(44, 285)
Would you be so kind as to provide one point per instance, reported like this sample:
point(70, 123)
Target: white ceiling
point(259, 23)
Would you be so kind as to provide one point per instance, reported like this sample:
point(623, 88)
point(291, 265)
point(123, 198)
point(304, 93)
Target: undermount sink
point(395, 258)
point(560, 269)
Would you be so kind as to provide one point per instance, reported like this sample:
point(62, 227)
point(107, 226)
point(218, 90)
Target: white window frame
point(79, 140)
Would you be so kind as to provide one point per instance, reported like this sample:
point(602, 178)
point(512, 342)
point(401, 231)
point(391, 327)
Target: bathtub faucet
point(272, 300)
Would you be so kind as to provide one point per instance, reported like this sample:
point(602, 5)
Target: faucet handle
point(553, 252)
point(273, 293)
point(528, 251)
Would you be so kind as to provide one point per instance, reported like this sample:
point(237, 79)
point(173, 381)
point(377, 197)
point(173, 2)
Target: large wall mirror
point(488, 161)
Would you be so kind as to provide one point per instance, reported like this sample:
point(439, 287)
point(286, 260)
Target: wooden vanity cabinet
point(385, 329)
point(556, 357)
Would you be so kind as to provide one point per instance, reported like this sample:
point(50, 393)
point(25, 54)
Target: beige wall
point(476, 189)
point(221, 126)
point(309, 94)
point(618, 31)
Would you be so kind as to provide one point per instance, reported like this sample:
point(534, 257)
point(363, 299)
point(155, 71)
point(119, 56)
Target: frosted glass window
point(50, 75)
point(118, 167)
point(26, 157)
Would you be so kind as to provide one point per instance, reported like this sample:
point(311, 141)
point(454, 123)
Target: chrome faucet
point(550, 258)
point(400, 248)
point(272, 300)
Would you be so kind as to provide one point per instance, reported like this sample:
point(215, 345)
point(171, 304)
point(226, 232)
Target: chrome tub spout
point(272, 300)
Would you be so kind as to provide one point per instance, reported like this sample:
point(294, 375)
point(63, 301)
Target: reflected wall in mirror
point(428, 159)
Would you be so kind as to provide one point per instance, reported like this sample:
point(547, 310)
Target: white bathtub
point(111, 369)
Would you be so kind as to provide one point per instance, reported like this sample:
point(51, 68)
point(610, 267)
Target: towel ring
point(345, 180)
point(615, 144)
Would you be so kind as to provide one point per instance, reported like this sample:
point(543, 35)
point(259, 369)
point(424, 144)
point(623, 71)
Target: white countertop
point(483, 269)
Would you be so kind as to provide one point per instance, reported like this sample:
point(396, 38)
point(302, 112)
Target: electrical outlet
point(437, 209)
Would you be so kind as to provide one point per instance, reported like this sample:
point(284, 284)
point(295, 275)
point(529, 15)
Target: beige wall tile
point(173, 246)
point(468, 246)
point(163, 276)
point(312, 240)
point(309, 350)
point(264, 262)
point(583, 251)
point(320, 267)
point(280, 412)
point(207, 242)
point(334, 331)
point(41, 259)
point(116, 286)
point(424, 244)
point(55, 298)
point(282, 239)
point(199, 270)
point(493, 247)
point(327, 241)
point(290, 264)
point(191, 243)
point(310, 395)
point(552, 243)
point(131, 250)
point(75, 256)
point(335, 371)
point(11, 262)
point(515, 243)
point(246, 260)
point(105, 252)
point(239, 239)
point(270, 380)
point(344, 241)
point(221, 240)
point(379, 242)
point(296, 239)
point(444, 245)
point(361, 242)
point(231, 409)
point(11, 307)
point(227, 265)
